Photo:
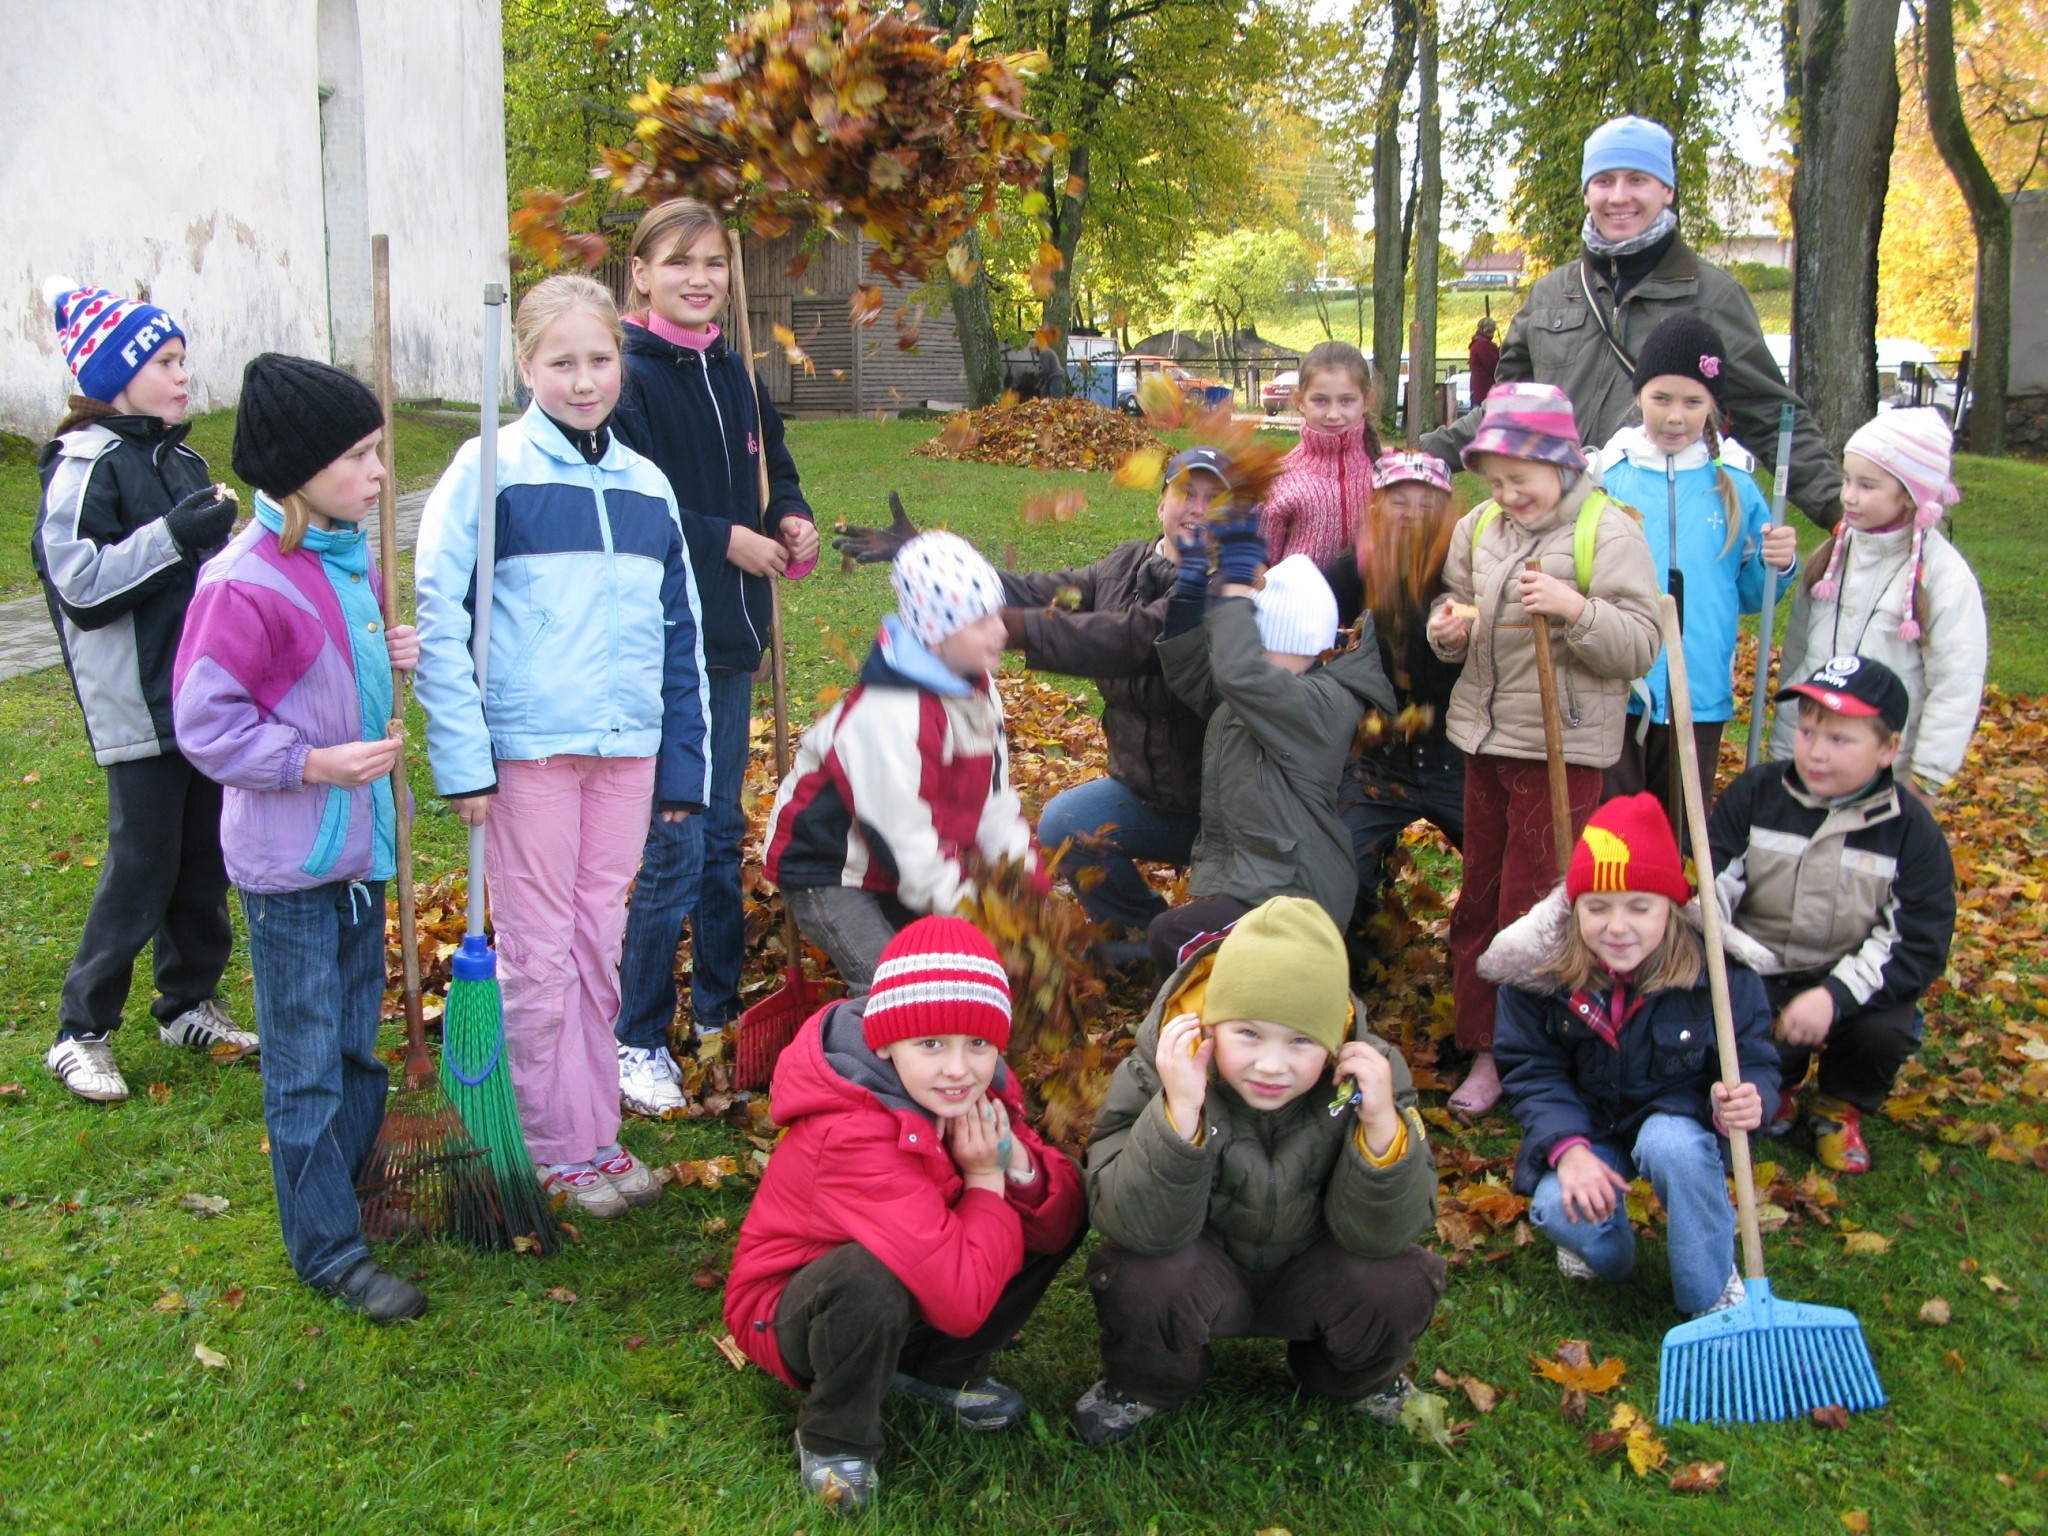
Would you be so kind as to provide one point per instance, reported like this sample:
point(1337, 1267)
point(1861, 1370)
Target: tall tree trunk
point(1428, 216)
point(1990, 220)
point(1848, 113)
point(974, 315)
point(1066, 235)
point(1389, 243)
point(974, 321)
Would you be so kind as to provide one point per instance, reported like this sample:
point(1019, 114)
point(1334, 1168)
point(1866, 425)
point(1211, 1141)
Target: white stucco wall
point(199, 181)
point(2029, 294)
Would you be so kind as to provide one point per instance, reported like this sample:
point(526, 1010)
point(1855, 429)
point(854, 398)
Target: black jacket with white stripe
point(117, 583)
point(1865, 891)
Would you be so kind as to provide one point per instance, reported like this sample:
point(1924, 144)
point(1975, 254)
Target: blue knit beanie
point(1629, 144)
point(106, 339)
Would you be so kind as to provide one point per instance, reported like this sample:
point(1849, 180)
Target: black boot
point(380, 1295)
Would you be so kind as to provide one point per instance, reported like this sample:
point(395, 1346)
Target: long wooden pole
point(1553, 739)
point(1710, 925)
point(419, 1067)
point(743, 326)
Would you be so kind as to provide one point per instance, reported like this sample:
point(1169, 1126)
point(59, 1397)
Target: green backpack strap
point(1585, 533)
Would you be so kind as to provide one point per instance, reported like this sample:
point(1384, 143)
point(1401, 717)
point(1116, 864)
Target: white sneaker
point(1572, 1267)
point(206, 1025)
point(650, 1083)
point(633, 1179)
point(1733, 1294)
point(583, 1187)
point(85, 1065)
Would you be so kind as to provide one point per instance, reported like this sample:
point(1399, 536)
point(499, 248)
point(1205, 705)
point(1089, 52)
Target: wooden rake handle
point(1553, 738)
point(1710, 923)
point(419, 1066)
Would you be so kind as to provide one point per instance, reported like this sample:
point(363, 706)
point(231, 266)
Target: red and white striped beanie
point(939, 976)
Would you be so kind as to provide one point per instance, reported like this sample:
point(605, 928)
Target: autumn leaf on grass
point(204, 1205)
point(170, 1301)
point(212, 1359)
point(1483, 1397)
point(12, 1091)
point(1699, 1477)
point(560, 1295)
point(1992, 1283)
point(729, 1347)
point(1865, 1242)
point(710, 1172)
point(1426, 1416)
point(1833, 1416)
point(1935, 1311)
point(1628, 1430)
point(1856, 1519)
point(1573, 1369)
point(705, 1278)
point(233, 1299)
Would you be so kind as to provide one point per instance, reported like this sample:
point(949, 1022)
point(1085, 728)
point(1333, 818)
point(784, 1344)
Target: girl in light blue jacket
point(1710, 534)
point(596, 716)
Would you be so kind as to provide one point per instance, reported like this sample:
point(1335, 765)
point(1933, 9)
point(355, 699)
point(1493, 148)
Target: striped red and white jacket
point(892, 787)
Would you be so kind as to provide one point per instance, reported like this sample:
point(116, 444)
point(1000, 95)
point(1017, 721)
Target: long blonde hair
point(1676, 963)
point(555, 297)
point(1725, 485)
point(298, 517)
point(666, 228)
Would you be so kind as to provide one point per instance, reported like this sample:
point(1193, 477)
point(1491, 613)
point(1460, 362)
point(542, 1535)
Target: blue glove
point(1241, 547)
point(1190, 593)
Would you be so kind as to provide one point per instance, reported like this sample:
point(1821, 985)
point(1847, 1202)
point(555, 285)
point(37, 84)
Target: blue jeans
point(318, 956)
point(691, 870)
point(1682, 1160)
point(1111, 827)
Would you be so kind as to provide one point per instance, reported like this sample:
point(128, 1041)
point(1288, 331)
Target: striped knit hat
point(106, 339)
point(1913, 447)
point(1424, 468)
point(942, 586)
point(1528, 421)
point(939, 976)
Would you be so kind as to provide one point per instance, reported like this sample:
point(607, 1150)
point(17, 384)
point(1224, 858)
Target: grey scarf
point(1662, 225)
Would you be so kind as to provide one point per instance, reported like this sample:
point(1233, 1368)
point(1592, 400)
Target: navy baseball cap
point(1214, 460)
point(1858, 687)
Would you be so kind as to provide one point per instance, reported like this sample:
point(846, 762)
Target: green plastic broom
point(474, 1071)
point(1762, 1358)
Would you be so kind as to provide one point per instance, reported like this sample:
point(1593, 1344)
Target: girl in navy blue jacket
point(689, 407)
point(1605, 1039)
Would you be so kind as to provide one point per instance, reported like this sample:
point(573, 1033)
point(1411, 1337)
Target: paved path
point(28, 643)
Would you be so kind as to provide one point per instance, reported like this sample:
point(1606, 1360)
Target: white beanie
point(1297, 611)
point(942, 586)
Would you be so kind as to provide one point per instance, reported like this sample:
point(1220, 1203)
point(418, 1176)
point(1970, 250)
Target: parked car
point(1278, 394)
point(1898, 361)
point(1194, 388)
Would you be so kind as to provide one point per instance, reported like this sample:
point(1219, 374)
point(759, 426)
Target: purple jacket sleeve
point(223, 690)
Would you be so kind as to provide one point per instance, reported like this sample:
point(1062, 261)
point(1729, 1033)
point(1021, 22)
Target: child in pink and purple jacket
point(282, 693)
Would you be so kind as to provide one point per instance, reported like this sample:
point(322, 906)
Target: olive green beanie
point(1283, 964)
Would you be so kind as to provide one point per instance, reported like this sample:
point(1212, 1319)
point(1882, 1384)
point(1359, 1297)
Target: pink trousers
point(560, 847)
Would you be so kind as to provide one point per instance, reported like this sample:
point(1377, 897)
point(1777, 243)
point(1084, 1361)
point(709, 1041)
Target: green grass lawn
point(505, 1410)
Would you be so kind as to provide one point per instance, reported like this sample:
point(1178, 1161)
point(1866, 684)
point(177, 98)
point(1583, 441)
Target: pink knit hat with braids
point(1913, 447)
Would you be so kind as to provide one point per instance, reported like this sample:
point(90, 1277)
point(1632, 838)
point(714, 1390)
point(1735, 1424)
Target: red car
point(1278, 395)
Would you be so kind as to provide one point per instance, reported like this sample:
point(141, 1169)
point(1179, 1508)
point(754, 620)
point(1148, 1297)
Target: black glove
point(203, 520)
point(878, 546)
point(1241, 548)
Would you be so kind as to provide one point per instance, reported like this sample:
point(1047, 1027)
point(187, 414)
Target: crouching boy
point(910, 1220)
point(1846, 880)
point(1239, 1199)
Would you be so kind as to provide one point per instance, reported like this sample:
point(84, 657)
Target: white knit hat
point(1297, 611)
point(942, 586)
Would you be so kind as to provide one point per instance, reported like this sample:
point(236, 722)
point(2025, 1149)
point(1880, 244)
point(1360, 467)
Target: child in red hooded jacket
point(910, 1220)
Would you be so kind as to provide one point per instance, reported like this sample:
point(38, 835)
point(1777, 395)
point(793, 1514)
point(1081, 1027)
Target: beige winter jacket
point(1497, 706)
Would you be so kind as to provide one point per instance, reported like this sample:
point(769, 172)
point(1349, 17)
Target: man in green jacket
point(1584, 324)
point(1248, 1201)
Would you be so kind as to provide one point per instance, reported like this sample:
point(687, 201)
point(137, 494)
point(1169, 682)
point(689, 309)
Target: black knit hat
point(1685, 347)
point(296, 418)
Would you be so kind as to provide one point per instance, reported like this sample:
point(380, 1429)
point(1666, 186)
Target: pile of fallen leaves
point(827, 112)
point(1042, 434)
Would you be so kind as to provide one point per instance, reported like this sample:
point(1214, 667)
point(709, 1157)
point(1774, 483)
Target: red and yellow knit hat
point(939, 976)
point(1628, 846)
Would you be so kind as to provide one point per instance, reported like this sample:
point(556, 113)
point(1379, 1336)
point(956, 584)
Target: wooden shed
point(858, 370)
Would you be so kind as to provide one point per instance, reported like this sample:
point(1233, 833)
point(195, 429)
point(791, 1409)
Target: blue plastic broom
point(1762, 1358)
